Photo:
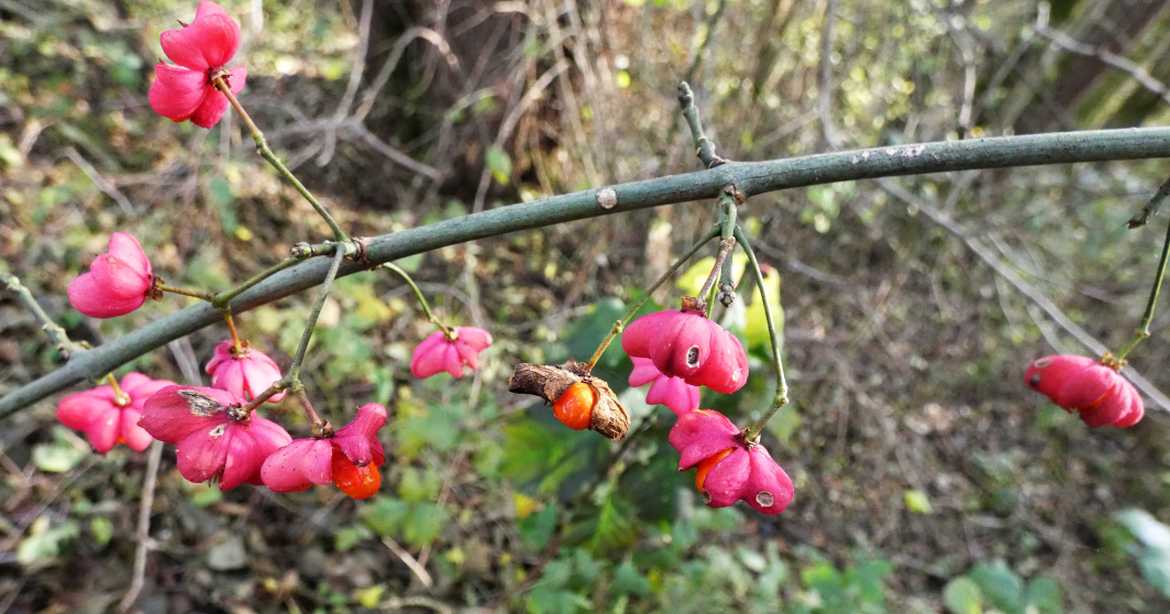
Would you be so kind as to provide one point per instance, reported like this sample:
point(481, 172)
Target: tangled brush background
point(927, 475)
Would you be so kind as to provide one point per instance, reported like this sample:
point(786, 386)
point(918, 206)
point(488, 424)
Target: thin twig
point(1143, 330)
point(421, 298)
point(708, 34)
point(311, 323)
point(189, 365)
point(780, 399)
point(825, 76)
point(1033, 294)
point(52, 330)
point(411, 563)
point(106, 186)
point(704, 147)
point(351, 88)
point(1152, 206)
point(150, 479)
point(619, 325)
point(1068, 43)
point(221, 84)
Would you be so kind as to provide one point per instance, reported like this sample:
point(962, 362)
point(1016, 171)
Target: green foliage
point(962, 596)
point(994, 585)
point(346, 538)
point(419, 523)
point(536, 529)
point(45, 541)
point(101, 529)
point(857, 588)
point(500, 164)
point(587, 330)
point(917, 501)
point(62, 454)
point(1153, 549)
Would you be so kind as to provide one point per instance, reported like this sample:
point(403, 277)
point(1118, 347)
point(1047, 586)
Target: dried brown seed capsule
point(608, 417)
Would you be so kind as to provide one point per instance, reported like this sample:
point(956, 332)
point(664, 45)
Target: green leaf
point(585, 567)
point(614, 528)
point(62, 454)
point(500, 164)
point(962, 596)
point(785, 423)
point(219, 192)
point(423, 524)
point(1043, 597)
point(627, 580)
point(1002, 587)
point(536, 529)
point(204, 497)
point(347, 537)
point(420, 427)
point(384, 515)
point(102, 530)
point(419, 486)
point(543, 599)
point(370, 596)
point(917, 501)
point(821, 576)
point(44, 542)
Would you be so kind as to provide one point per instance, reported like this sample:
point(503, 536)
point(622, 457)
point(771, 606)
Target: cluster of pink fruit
point(676, 352)
point(215, 430)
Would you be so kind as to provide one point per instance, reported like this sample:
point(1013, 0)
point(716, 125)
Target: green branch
point(749, 177)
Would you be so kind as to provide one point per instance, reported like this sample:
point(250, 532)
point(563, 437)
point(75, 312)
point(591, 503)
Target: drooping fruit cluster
point(676, 352)
point(217, 432)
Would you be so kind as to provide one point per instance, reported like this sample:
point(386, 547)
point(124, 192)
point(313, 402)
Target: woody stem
point(52, 330)
point(319, 425)
point(292, 379)
point(707, 292)
point(620, 325)
point(223, 298)
point(780, 399)
point(265, 152)
point(191, 292)
point(237, 345)
point(422, 300)
point(303, 346)
point(1143, 330)
point(120, 396)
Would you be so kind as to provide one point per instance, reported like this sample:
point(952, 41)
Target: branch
point(704, 147)
point(52, 330)
point(1125, 65)
point(750, 177)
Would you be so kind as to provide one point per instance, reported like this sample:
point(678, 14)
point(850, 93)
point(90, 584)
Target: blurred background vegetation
point(928, 477)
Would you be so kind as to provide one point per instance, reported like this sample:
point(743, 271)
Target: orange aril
point(707, 464)
point(574, 408)
point(357, 481)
